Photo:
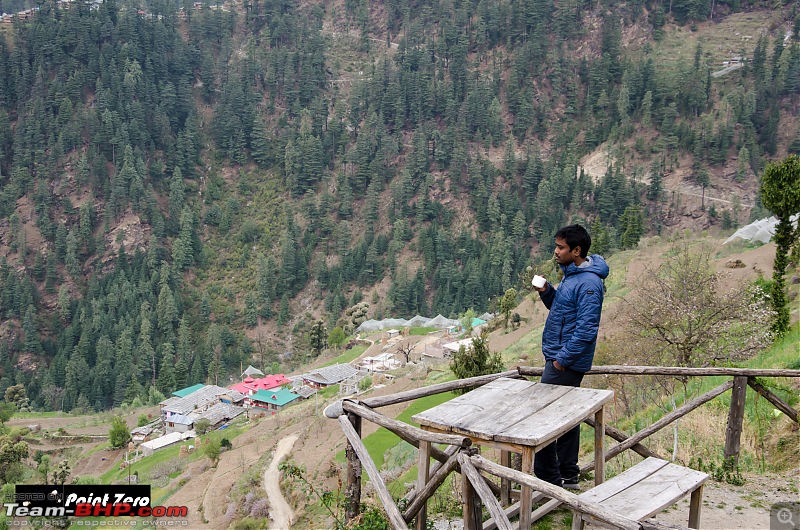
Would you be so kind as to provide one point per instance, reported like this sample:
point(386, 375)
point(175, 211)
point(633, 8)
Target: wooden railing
point(478, 489)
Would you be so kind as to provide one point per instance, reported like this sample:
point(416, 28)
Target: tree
point(118, 435)
point(212, 450)
point(405, 349)
point(357, 314)
point(507, 303)
point(17, 395)
point(681, 316)
point(466, 319)
point(7, 410)
point(477, 360)
point(317, 337)
point(202, 426)
point(12, 453)
point(336, 337)
point(780, 192)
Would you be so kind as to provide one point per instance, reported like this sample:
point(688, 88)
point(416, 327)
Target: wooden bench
point(646, 489)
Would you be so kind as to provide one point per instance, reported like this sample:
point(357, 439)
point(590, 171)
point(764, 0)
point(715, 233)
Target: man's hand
point(557, 366)
point(541, 289)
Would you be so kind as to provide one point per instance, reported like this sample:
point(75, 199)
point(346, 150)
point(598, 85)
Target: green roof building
point(273, 399)
point(183, 392)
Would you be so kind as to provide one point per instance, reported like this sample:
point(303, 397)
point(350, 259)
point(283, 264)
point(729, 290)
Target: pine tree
point(250, 310)
point(167, 381)
point(177, 198)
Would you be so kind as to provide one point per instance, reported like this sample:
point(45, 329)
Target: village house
point(250, 386)
point(273, 401)
point(178, 423)
point(200, 400)
point(329, 375)
point(148, 448)
point(219, 414)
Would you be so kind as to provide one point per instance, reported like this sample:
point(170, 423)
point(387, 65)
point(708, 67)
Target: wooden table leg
point(505, 484)
point(599, 447)
point(526, 492)
point(423, 468)
point(695, 506)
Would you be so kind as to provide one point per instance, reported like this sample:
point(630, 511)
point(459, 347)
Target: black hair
point(575, 236)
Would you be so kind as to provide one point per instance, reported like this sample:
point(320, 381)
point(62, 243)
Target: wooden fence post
point(733, 432)
point(353, 489)
point(472, 508)
point(423, 468)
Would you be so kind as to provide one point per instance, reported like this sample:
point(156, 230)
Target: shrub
point(202, 426)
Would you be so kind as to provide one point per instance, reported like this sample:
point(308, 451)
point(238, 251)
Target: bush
point(202, 426)
point(212, 450)
point(225, 443)
point(118, 435)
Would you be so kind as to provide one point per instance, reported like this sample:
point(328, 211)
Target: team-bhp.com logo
point(88, 501)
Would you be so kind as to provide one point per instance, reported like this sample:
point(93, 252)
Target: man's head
point(572, 245)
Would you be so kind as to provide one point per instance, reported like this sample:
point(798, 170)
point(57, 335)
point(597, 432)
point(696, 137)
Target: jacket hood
point(596, 265)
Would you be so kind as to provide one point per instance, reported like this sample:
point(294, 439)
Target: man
point(569, 339)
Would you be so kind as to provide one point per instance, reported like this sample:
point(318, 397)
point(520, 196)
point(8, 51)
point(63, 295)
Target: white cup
point(539, 281)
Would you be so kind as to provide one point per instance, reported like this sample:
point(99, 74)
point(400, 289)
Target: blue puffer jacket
point(570, 333)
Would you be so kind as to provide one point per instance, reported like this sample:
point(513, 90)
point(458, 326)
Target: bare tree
point(405, 349)
point(681, 315)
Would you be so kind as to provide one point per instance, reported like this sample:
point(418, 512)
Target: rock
point(795, 279)
point(735, 264)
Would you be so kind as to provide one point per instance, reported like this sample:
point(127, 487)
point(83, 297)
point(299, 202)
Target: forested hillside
point(186, 188)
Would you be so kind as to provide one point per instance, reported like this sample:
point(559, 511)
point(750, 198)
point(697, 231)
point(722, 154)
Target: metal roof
point(183, 392)
point(202, 399)
point(305, 392)
point(168, 439)
point(220, 412)
point(330, 375)
point(279, 398)
point(180, 419)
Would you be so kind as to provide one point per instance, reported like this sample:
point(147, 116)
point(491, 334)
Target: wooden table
point(516, 415)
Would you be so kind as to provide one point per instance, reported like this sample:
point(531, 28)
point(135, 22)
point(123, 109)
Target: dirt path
point(281, 513)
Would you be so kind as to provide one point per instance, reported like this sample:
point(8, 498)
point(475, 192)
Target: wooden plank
point(733, 432)
point(423, 467)
point(353, 487)
point(486, 495)
point(780, 404)
point(673, 370)
point(599, 447)
point(471, 505)
point(411, 495)
point(395, 517)
point(624, 480)
point(654, 492)
point(544, 509)
point(621, 436)
point(505, 484)
point(417, 501)
point(497, 399)
point(416, 393)
point(652, 524)
point(410, 431)
point(560, 416)
point(663, 422)
point(555, 492)
point(512, 511)
point(513, 405)
point(526, 491)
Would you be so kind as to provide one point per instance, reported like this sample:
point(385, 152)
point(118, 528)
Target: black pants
point(559, 459)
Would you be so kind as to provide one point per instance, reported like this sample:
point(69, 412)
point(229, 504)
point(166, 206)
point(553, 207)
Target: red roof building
point(250, 386)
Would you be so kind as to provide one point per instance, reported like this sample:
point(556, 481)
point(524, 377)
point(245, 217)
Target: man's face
point(565, 256)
